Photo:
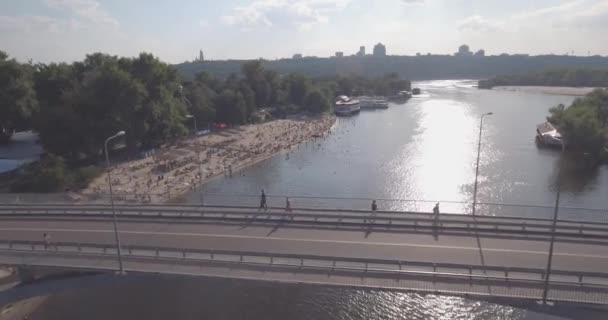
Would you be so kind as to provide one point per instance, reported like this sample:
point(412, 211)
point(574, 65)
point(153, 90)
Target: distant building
point(339, 54)
point(480, 53)
point(463, 51)
point(297, 56)
point(361, 52)
point(379, 50)
point(200, 57)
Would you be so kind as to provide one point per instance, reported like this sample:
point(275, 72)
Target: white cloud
point(413, 2)
point(577, 14)
point(302, 14)
point(88, 10)
point(588, 14)
point(479, 24)
point(32, 24)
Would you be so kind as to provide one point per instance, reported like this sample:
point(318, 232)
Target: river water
point(424, 150)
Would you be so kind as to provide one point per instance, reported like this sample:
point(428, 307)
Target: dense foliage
point(84, 103)
point(17, 96)
point(555, 77)
point(423, 67)
point(584, 124)
point(75, 107)
point(51, 174)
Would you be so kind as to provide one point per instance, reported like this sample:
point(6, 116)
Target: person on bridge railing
point(374, 205)
point(263, 204)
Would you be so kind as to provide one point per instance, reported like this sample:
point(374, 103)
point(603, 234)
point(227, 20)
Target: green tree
point(202, 100)
point(249, 96)
point(316, 102)
point(255, 76)
point(297, 85)
point(556, 114)
point(583, 123)
point(58, 123)
point(231, 107)
point(17, 97)
point(582, 129)
point(47, 175)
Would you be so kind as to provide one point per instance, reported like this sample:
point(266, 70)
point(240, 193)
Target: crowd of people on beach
point(174, 170)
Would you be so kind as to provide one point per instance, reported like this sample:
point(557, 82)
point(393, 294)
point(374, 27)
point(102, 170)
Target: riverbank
point(566, 91)
point(177, 169)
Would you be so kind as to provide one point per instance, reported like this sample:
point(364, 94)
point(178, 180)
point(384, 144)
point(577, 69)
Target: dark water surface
point(424, 150)
point(160, 298)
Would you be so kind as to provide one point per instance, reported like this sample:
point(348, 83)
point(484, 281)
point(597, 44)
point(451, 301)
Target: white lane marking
point(226, 236)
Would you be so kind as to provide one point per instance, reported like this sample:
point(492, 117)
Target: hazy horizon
point(67, 30)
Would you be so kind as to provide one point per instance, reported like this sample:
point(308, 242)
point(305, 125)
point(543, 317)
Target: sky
point(175, 30)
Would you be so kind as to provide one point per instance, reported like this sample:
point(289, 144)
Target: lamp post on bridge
point(553, 225)
point(116, 235)
point(477, 165)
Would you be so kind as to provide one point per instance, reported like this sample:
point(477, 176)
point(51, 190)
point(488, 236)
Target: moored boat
point(372, 102)
point(547, 135)
point(400, 97)
point(346, 106)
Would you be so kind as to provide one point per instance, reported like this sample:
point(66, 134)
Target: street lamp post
point(189, 116)
point(553, 225)
point(116, 235)
point(200, 163)
point(477, 165)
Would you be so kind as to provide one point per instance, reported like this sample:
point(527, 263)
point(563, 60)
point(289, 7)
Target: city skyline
point(67, 30)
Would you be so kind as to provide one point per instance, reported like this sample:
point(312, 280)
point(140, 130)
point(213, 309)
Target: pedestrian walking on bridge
point(436, 209)
point(47, 241)
point(263, 204)
point(374, 205)
point(287, 204)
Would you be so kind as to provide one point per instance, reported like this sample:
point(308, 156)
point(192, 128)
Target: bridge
point(484, 257)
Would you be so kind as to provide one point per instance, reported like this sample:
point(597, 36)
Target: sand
point(177, 169)
point(21, 310)
point(567, 91)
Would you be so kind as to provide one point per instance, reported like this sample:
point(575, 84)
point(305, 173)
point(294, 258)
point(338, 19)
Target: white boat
point(547, 135)
point(346, 106)
point(373, 102)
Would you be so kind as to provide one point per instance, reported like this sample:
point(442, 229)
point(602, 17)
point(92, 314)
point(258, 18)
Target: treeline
point(555, 77)
point(584, 124)
point(423, 67)
point(75, 107)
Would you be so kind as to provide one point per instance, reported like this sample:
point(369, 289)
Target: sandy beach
point(176, 169)
point(567, 91)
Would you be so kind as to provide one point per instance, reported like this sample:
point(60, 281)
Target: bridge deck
point(484, 252)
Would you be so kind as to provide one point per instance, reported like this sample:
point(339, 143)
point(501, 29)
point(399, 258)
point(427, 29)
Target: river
point(424, 150)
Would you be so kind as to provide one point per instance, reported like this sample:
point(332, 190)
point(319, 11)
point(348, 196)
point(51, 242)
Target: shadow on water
point(579, 173)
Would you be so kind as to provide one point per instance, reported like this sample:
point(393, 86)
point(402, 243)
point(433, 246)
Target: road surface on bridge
point(428, 247)
point(478, 250)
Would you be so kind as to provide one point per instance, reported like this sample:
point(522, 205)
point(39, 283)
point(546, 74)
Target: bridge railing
point(589, 286)
point(319, 218)
point(326, 202)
